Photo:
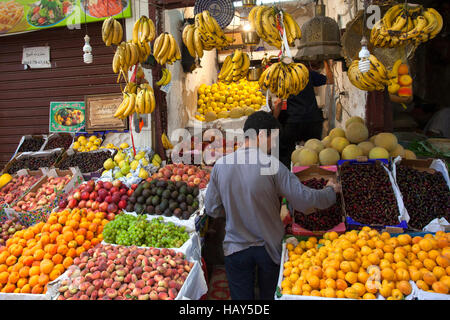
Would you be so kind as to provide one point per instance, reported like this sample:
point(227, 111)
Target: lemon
point(76, 145)
point(200, 102)
point(89, 144)
point(98, 142)
point(248, 102)
point(83, 142)
point(94, 148)
point(124, 145)
point(92, 138)
point(242, 103)
point(200, 110)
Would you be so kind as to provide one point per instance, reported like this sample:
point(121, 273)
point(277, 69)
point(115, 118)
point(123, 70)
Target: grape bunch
point(130, 230)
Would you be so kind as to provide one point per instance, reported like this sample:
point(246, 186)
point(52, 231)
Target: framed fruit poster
point(67, 116)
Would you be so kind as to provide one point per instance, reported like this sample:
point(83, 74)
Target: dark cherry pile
point(86, 161)
point(321, 219)
point(425, 195)
point(368, 194)
point(59, 141)
point(33, 162)
point(31, 144)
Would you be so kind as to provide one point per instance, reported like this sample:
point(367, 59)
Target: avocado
point(155, 200)
point(168, 213)
point(177, 212)
point(148, 201)
point(150, 209)
point(141, 200)
point(179, 184)
point(171, 187)
point(189, 190)
point(166, 194)
point(146, 193)
point(138, 190)
point(153, 182)
point(130, 207)
point(183, 190)
point(173, 206)
point(186, 215)
point(147, 185)
point(139, 208)
point(196, 191)
point(159, 192)
point(153, 191)
point(195, 204)
point(158, 210)
point(189, 199)
point(132, 199)
point(174, 195)
point(181, 198)
point(161, 184)
point(164, 204)
point(183, 206)
point(190, 209)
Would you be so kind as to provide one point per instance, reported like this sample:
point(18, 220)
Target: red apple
point(124, 197)
point(122, 204)
point(89, 188)
point(107, 185)
point(82, 204)
point(116, 197)
point(112, 208)
point(108, 199)
point(177, 178)
point(130, 192)
point(102, 193)
point(93, 195)
point(103, 207)
point(114, 189)
point(72, 203)
point(85, 195)
point(197, 180)
point(123, 191)
point(77, 195)
point(134, 186)
point(110, 216)
point(185, 177)
point(202, 185)
point(89, 204)
point(95, 205)
point(62, 204)
point(117, 183)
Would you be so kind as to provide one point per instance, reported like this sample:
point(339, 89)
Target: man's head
point(262, 123)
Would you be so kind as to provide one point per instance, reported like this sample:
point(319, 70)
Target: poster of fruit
point(26, 15)
point(67, 116)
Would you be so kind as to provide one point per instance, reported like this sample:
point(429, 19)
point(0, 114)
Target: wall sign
point(100, 111)
point(36, 57)
point(67, 116)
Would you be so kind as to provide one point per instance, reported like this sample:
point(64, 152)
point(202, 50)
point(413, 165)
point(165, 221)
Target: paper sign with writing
point(36, 57)
point(100, 111)
point(67, 116)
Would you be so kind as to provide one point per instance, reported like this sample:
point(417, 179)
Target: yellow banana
point(163, 77)
point(439, 20)
point(197, 43)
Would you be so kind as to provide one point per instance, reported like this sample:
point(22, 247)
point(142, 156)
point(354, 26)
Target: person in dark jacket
point(301, 119)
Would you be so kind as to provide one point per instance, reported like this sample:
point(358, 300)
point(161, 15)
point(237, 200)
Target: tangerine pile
point(363, 264)
point(39, 254)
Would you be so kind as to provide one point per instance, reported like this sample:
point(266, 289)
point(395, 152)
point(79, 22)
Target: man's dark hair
point(261, 120)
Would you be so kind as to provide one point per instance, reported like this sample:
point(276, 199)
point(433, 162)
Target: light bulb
point(247, 27)
point(87, 49)
point(364, 55)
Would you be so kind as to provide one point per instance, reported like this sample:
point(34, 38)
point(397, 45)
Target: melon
point(295, 156)
point(353, 120)
point(387, 141)
point(326, 141)
point(356, 132)
point(372, 139)
point(223, 114)
point(236, 112)
point(351, 151)
point(329, 156)
point(248, 111)
point(378, 153)
point(366, 146)
point(339, 143)
point(307, 157)
point(409, 155)
point(398, 151)
point(314, 144)
point(336, 132)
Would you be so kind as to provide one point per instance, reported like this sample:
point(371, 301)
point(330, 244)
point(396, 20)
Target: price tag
point(167, 87)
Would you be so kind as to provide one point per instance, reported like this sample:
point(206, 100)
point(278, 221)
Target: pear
point(125, 169)
point(122, 163)
point(108, 164)
point(124, 145)
point(143, 174)
point(134, 164)
point(144, 162)
point(119, 157)
point(129, 175)
point(118, 175)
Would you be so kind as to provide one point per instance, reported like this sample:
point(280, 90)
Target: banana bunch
point(145, 99)
point(264, 21)
point(235, 67)
point(143, 30)
point(128, 54)
point(204, 35)
point(166, 49)
point(141, 102)
point(167, 145)
point(112, 31)
point(131, 87)
point(375, 79)
point(393, 85)
point(284, 79)
point(403, 25)
point(165, 79)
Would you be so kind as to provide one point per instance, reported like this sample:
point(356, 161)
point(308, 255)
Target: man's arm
point(277, 107)
point(300, 196)
point(213, 201)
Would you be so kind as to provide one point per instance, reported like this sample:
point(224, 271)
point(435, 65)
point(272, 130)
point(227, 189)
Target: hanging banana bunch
point(166, 49)
point(165, 78)
point(403, 25)
point(143, 30)
point(142, 102)
point(127, 55)
point(167, 145)
point(263, 20)
point(204, 35)
point(112, 32)
point(375, 79)
point(284, 79)
point(235, 67)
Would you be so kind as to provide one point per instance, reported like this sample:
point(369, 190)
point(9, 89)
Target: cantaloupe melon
point(353, 120)
point(210, 116)
point(366, 146)
point(329, 156)
point(378, 153)
point(295, 156)
point(356, 132)
point(336, 132)
point(398, 151)
point(410, 155)
point(307, 157)
point(236, 112)
point(326, 141)
point(351, 151)
point(339, 143)
point(386, 140)
point(314, 144)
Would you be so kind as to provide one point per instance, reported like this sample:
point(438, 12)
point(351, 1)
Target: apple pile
point(192, 175)
point(8, 228)
point(16, 187)
point(44, 196)
point(109, 272)
point(104, 196)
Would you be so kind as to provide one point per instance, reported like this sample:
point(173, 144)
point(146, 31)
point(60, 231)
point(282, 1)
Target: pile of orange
point(39, 254)
point(363, 264)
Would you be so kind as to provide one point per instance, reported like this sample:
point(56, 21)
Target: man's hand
point(335, 185)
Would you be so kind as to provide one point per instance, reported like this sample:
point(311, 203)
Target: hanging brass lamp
point(321, 37)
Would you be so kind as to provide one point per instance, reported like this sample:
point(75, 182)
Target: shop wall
point(26, 94)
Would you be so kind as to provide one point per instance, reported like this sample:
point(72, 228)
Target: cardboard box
point(33, 155)
point(403, 214)
point(31, 217)
point(86, 175)
point(29, 137)
point(307, 173)
point(56, 135)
